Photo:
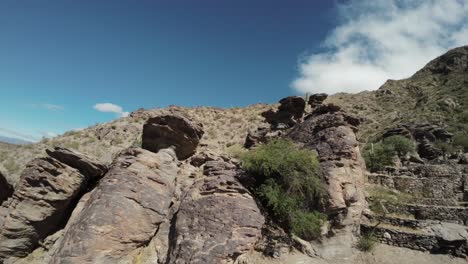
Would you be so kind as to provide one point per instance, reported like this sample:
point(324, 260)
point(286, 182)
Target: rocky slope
point(437, 94)
point(164, 186)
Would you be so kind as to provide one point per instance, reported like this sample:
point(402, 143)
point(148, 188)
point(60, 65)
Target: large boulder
point(124, 211)
point(172, 131)
point(218, 221)
point(6, 190)
point(317, 99)
point(289, 112)
point(44, 197)
point(87, 166)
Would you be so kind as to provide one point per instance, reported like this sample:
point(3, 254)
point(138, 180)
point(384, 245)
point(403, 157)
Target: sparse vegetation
point(235, 150)
point(289, 185)
point(379, 195)
point(379, 155)
point(401, 145)
point(460, 141)
point(366, 242)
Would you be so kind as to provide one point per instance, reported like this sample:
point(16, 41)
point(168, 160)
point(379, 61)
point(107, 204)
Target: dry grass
point(223, 127)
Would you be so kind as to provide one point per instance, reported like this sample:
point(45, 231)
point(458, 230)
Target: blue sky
point(59, 58)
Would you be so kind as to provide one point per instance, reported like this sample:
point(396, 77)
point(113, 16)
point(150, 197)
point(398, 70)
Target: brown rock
point(6, 190)
point(124, 211)
point(290, 112)
point(217, 221)
point(330, 132)
point(172, 130)
point(87, 166)
point(317, 99)
point(41, 202)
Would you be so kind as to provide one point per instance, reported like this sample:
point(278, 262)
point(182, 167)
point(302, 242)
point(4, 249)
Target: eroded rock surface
point(289, 112)
point(41, 203)
point(172, 130)
point(87, 166)
point(217, 221)
point(6, 190)
point(331, 133)
point(124, 211)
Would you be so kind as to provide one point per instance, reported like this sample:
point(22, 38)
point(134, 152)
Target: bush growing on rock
point(289, 183)
point(461, 141)
point(401, 145)
point(366, 243)
point(379, 155)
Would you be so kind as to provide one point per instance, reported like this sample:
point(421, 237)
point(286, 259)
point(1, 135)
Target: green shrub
point(445, 147)
point(307, 224)
point(235, 150)
point(366, 242)
point(401, 145)
point(289, 184)
point(461, 141)
point(377, 156)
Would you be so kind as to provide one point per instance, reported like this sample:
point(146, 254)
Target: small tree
point(461, 141)
point(377, 156)
point(401, 145)
point(289, 184)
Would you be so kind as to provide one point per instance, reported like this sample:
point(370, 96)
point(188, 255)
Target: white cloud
point(382, 39)
point(111, 108)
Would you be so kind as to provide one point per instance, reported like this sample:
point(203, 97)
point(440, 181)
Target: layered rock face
point(425, 135)
point(289, 112)
point(217, 221)
point(45, 195)
point(175, 130)
point(331, 133)
point(6, 190)
point(147, 208)
point(124, 211)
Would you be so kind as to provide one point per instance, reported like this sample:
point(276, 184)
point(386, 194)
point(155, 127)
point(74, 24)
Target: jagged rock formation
point(6, 190)
point(317, 99)
point(87, 166)
point(181, 199)
point(174, 130)
point(124, 211)
point(425, 135)
point(330, 132)
point(289, 112)
point(435, 94)
point(217, 221)
point(44, 197)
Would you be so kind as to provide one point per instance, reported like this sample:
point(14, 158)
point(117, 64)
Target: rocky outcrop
point(317, 99)
point(289, 113)
point(217, 221)
point(44, 197)
point(425, 135)
point(331, 133)
point(261, 135)
point(124, 211)
point(172, 130)
point(6, 190)
point(87, 166)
